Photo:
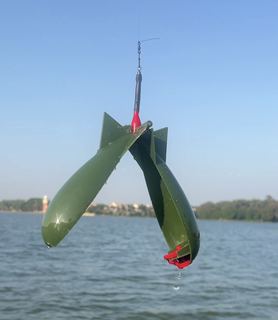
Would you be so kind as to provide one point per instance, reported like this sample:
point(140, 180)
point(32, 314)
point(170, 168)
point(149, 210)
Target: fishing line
point(138, 26)
point(149, 39)
point(138, 17)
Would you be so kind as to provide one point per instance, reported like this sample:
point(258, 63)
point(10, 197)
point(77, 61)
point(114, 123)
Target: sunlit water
point(113, 268)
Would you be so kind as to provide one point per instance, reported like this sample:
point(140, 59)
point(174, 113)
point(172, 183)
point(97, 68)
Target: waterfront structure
point(44, 204)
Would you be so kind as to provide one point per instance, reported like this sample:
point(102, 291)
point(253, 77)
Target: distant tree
point(34, 204)
point(11, 205)
point(17, 205)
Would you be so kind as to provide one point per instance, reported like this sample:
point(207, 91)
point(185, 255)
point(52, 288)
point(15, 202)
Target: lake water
point(113, 268)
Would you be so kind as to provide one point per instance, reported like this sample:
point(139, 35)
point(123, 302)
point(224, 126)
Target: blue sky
point(212, 79)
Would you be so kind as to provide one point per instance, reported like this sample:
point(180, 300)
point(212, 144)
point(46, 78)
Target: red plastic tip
point(172, 258)
point(135, 123)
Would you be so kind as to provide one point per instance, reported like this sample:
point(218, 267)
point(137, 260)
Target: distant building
point(44, 204)
point(93, 204)
point(136, 207)
point(115, 205)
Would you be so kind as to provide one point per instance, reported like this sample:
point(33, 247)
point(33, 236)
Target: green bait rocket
point(148, 147)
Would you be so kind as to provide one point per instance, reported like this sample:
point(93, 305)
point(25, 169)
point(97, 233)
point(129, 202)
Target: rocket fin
point(160, 138)
point(111, 130)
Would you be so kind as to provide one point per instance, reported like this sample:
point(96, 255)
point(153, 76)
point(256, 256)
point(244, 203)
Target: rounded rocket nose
point(50, 236)
point(54, 229)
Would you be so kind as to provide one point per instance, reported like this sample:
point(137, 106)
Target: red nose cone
point(135, 122)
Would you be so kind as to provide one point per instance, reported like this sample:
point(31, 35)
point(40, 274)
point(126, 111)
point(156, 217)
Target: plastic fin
point(160, 137)
point(111, 130)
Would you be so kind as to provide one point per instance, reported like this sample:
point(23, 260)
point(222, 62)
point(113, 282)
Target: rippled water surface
point(113, 268)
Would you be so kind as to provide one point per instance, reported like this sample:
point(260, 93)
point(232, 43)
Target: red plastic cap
point(172, 258)
point(135, 121)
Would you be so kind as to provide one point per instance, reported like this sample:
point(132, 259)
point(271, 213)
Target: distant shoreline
point(86, 214)
point(31, 212)
point(89, 214)
point(237, 210)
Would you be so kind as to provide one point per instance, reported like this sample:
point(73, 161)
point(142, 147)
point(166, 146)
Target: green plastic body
point(173, 211)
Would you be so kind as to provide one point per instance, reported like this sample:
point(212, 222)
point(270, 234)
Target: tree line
point(34, 204)
point(249, 210)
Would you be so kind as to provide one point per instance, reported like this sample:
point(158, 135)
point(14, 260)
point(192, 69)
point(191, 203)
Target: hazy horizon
point(125, 203)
